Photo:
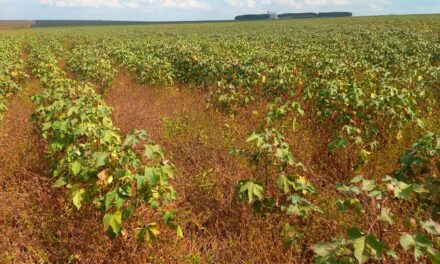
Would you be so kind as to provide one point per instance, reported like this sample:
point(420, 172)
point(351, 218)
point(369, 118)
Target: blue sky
point(159, 10)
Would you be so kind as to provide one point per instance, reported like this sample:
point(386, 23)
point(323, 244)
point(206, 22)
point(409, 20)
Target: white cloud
point(327, 2)
point(291, 3)
point(295, 4)
point(177, 4)
point(83, 3)
point(378, 5)
point(186, 4)
point(252, 4)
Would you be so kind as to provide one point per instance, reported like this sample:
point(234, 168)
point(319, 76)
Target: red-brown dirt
point(217, 228)
point(15, 24)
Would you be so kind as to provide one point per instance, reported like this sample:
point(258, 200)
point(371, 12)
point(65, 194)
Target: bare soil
point(15, 24)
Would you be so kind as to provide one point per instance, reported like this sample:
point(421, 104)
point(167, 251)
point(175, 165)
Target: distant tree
point(297, 15)
point(335, 14)
point(314, 15)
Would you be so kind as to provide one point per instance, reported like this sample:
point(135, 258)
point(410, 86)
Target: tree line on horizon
point(294, 15)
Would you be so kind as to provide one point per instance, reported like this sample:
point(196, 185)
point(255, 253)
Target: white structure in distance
point(272, 15)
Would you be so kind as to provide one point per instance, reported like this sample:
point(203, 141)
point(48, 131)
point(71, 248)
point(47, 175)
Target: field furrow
point(26, 194)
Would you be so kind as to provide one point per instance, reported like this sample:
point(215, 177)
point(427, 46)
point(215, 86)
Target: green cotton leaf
point(301, 184)
point(253, 137)
point(60, 182)
point(135, 137)
point(337, 144)
point(368, 185)
point(342, 205)
point(252, 189)
point(154, 203)
point(152, 151)
point(422, 240)
point(385, 216)
point(126, 189)
point(168, 170)
point(376, 194)
point(107, 122)
point(46, 126)
point(360, 250)
point(128, 212)
point(375, 245)
point(357, 179)
point(75, 167)
point(100, 158)
point(56, 144)
point(80, 131)
point(403, 190)
point(119, 200)
point(355, 233)
point(122, 174)
point(140, 180)
point(109, 197)
point(284, 183)
point(113, 221)
point(326, 249)
point(77, 197)
point(60, 126)
point(163, 178)
point(152, 177)
point(298, 108)
point(147, 234)
point(407, 241)
point(417, 188)
point(434, 255)
point(109, 136)
point(350, 189)
point(418, 252)
point(168, 218)
point(431, 227)
point(284, 155)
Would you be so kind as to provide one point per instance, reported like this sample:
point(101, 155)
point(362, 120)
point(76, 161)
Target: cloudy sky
point(160, 10)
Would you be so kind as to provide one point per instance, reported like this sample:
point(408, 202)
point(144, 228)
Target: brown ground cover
point(217, 228)
point(15, 24)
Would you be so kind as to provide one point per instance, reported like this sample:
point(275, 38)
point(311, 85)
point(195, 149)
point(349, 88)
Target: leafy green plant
point(413, 185)
point(91, 160)
point(11, 70)
point(272, 158)
point(91, 64)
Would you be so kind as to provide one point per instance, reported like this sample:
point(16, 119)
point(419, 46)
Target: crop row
point(92, 65)
point(90, 157)
point(11, 69)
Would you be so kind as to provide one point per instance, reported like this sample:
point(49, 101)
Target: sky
point(175, 10)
